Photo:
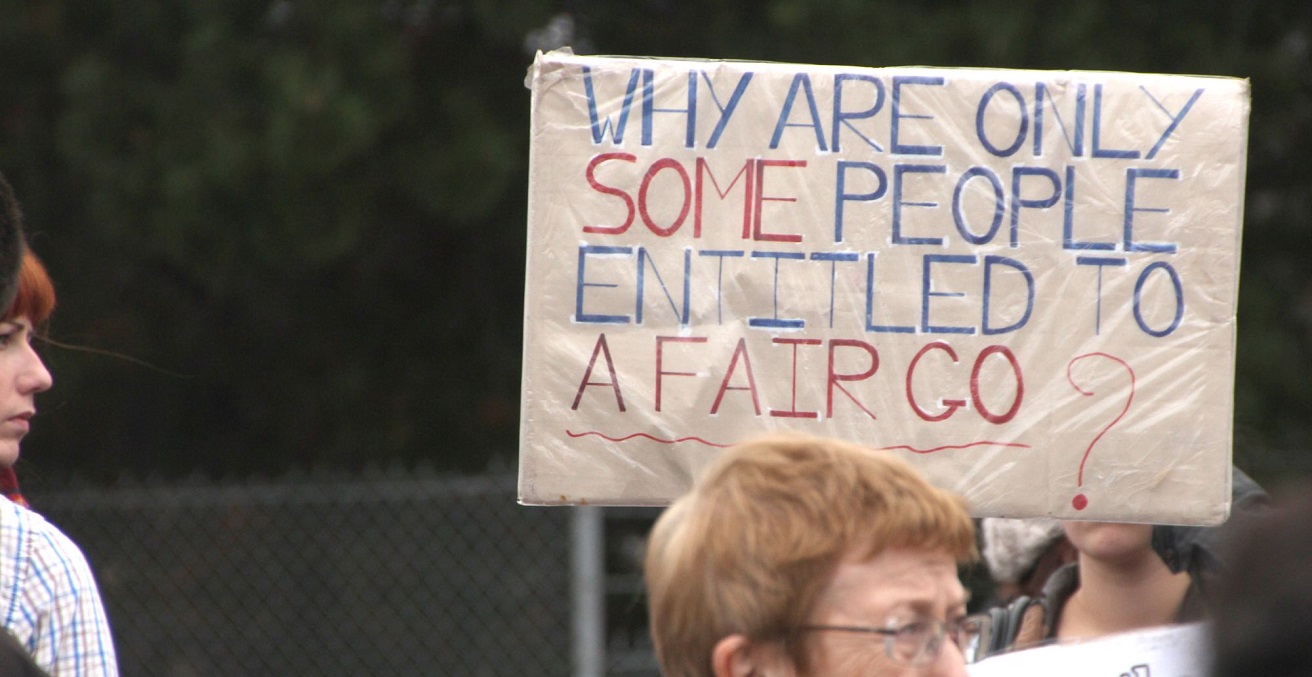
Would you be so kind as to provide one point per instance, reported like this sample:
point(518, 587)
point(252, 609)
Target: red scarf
point(9, 485)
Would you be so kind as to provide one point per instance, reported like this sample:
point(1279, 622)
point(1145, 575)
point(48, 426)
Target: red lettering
point(976, 398)
point(835, 377)
point(952, 405)
point(739, 351)
point(704, 169)
point(600, 349)
point(974, 385)
point(660, 357)
point(793, 412)
point(757, 232)
point(601, 188)
point(656, 167)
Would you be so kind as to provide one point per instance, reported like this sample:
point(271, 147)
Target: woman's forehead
point(896, 577)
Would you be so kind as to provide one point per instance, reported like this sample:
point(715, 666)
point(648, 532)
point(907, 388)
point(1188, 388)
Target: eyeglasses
point(920, 641)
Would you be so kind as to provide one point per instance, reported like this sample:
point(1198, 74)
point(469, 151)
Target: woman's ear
point(737, 656)
point(732, 657)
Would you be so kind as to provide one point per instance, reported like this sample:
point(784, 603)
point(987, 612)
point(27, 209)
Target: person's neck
point(1122, 595)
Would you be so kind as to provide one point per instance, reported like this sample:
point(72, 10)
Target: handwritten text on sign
point(1024, 280)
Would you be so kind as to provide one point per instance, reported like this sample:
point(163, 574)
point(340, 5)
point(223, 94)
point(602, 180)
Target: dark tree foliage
point(297, 227)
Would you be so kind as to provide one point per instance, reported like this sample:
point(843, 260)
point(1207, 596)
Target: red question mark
point(1081, 501)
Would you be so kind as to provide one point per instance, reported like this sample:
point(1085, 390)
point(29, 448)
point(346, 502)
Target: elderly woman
point(797, 555)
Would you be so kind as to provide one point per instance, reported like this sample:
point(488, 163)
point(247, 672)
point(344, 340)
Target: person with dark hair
point(1125, 577)
point(12, 242)
point(49, 602)
point(1262, 605)
point(12, 247)
point(14, 658)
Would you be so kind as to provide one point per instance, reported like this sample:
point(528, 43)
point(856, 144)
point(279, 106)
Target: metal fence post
point(588, 583)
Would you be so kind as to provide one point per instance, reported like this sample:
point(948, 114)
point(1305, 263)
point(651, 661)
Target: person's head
point(1261, 605)
point(22, 373)
point(1022, 553)
point(787, 533)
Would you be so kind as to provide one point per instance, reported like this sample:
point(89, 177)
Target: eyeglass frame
point(933, 645)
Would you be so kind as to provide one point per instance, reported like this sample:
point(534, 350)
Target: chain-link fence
point(385, 576)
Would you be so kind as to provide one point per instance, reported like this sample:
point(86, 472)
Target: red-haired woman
point(49, 600)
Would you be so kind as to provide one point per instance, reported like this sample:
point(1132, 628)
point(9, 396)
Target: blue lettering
point(989, 262)
point(1100, 262)
point(898, 172)
point(599, 128)
point(958, 210)
point(649, 108)
point(841, 117)
point(726, 110)
point(1068, 219)
point(1020, 132)
point(870, 304)
point(776, 322)
point(1132, 176)
point(833, 258)
point(645, 258)
point(802, 81)
point(721, 254)
point(584, 252)
point(1175, 119)
point(898, 116)
point(844, 197)
point(1076, 144)
point(1017, 203)
point(1179, 298)
point(926, 291)
point(1098, 150)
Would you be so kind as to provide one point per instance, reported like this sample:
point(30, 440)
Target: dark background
point(290, 235)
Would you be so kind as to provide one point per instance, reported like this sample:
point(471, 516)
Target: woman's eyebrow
point(919, 605)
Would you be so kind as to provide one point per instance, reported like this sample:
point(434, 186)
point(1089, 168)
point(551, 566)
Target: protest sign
point(1171, 651)
point(1023, 281)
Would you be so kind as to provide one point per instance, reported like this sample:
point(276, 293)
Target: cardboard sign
point(1023, 281)
point(1172, 651)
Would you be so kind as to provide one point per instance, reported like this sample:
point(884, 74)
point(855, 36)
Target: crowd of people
point(796, 555)
point(792, 555)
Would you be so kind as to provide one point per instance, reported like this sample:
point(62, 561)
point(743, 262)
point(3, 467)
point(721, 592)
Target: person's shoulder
point(14, 517)
point(27, 534)
point(17, 523)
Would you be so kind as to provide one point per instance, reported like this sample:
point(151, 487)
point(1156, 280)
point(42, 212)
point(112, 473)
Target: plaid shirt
point(48, 597)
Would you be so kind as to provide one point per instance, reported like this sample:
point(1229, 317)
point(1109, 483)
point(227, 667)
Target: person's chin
point(8, 453)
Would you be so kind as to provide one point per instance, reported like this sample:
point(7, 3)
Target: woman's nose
point(951, 662)
point(35, 378)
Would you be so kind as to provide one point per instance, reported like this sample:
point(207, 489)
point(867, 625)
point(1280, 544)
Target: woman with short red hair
point(49, 601)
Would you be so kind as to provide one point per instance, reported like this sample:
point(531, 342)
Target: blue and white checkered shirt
point(48, 597)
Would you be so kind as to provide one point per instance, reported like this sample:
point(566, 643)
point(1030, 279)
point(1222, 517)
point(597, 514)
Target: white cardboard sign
point(1171, 651)
point(1024, 281)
